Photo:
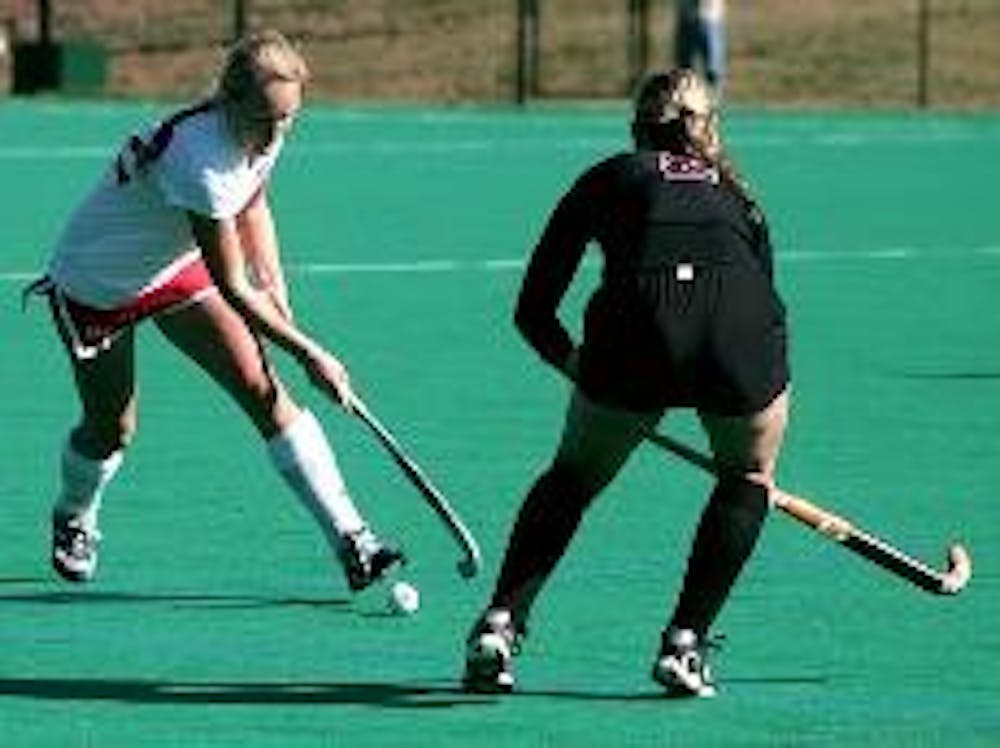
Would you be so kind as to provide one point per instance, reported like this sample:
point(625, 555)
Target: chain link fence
point(854, 53)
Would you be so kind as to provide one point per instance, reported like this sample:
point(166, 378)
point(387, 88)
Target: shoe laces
point(500, 621)
point(700, 643)
point(79, 541)
point(362, 545)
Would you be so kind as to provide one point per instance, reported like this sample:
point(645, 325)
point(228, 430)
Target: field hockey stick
point(840, 530)
point(470, 563)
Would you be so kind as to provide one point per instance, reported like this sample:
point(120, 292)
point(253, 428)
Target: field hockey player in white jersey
point(178, 230)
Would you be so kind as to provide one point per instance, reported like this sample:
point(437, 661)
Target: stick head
point(959, 570)
point(468, 567)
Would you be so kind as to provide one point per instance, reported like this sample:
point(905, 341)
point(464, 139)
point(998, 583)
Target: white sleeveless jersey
point(132, 227)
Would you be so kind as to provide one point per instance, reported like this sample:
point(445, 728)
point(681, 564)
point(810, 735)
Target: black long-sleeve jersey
point(646, 210)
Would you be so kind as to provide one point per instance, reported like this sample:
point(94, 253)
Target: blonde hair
point(257, 59)
point(671, 102)
point(676, 111)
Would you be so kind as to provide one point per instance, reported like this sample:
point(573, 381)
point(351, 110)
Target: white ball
point(404, 599)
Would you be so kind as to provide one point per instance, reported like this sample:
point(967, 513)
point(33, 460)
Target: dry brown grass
point(782, 52)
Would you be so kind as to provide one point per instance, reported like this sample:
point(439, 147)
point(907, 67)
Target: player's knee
point(559, 495)
point(557, 501)
point(570, 484)
point(265, 402)
point(102, 436)
point(746, 468)
point(750, 491)
point(126, 433)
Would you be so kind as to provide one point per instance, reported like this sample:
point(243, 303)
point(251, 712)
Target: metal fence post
point(527, 50)
point(240, 11)
point(923, 53)
point(45, 21)
point(637, 49)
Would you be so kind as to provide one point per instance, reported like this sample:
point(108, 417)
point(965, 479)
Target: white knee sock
point(83, 483)
point(303, 456)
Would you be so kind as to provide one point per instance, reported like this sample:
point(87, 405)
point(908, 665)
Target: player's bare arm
point(224, 256)
point(259, 239)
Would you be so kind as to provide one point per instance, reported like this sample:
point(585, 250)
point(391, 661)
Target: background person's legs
point(688, 43)
point(700, 40)
point(714, 45)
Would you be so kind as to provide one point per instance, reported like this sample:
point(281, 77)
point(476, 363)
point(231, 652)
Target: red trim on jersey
point(683, 168)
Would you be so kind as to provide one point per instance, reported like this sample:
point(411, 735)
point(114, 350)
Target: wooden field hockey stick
point(836, 528)
point(471, 561)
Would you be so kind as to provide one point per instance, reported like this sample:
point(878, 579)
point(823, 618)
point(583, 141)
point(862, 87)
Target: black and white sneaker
point(74, 548)
point(489, 653)
point(366, 559)
point(682, 667)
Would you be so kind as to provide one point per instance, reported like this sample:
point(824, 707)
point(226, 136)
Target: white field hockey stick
point(471, 561)
point(836, 528)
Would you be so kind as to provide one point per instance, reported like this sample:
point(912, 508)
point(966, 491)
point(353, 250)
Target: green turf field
point(218, 618)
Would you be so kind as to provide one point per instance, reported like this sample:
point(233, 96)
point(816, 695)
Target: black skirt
point(702, 336)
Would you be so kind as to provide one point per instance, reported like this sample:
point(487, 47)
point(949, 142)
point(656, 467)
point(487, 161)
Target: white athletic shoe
point(681, 666)
point(74, 548)
point(489, 654)
point(366, 559)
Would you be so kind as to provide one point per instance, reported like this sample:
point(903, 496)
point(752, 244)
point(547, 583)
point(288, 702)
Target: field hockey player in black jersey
point(686, 316)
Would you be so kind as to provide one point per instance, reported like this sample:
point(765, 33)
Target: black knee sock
point(544, 527)
point(727, 533)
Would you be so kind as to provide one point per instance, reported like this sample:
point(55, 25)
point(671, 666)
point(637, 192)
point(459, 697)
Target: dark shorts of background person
point(708, 337)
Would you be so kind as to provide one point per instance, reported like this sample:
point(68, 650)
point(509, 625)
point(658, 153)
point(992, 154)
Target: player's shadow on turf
point(427, 695)
point(187, 601)
point(404, 696)
point(953, 375)
point(656, 694)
